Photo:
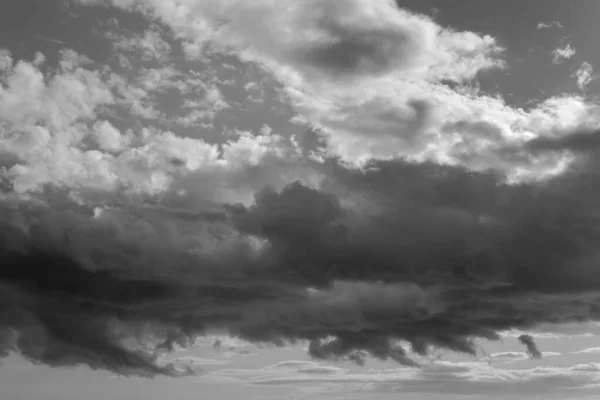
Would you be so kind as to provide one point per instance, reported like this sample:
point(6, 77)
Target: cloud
point(393, 227)
point(532, 348)
point(591, 350)
point(108, 137)
point(509, 355)
point(414, 92)
point(560, 54)
point(551, 24)
point(466, 378)
point(352, 267)
point(584, 75)
point(513, 356)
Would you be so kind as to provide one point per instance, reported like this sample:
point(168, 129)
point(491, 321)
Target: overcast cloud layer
point(408, 207)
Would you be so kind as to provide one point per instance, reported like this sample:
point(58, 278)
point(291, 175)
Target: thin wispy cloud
point(591, 350)
point(551, 24)
point(448, 378)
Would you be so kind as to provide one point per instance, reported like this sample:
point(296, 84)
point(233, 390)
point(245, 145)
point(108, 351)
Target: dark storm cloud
point(485, 256)
point(435, 256)
point(55, 312)
point(75, 290)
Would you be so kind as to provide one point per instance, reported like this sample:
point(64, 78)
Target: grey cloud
point(532, 348)
point(433, 255)
point(551, 24)
point(506, 356)
point(352, 49)
point(490, 240)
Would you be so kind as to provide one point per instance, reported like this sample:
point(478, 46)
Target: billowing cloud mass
point(413, 209)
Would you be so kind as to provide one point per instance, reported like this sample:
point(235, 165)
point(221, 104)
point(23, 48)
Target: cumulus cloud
point(353, 267)
point(584, 75)
point(378, 81)
point(590, 350)
point(514, 356)
point(562, 53)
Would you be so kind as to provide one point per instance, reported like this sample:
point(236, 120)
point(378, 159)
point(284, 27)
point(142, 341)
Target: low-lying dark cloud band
point(436, 256)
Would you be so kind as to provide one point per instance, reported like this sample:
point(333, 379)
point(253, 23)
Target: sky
point(316, 199)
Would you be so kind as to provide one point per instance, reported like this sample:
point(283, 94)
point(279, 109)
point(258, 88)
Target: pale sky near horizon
point(406, 185)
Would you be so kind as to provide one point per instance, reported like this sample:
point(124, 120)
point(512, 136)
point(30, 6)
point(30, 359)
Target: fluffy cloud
point(591, 350)
point(378, 81)
point(562, 53)
point(53, 133)
point(584, 75)
point(386, 50)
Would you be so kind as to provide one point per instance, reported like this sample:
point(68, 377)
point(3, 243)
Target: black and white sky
point(324, 199)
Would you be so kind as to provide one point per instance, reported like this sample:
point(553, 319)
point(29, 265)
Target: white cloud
point(551, 24)
point(560, 54)
point(49, 124)
point(591, 350)
point(584, 75)
point(108, 137)
point(371, 77)
point(44, 123)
